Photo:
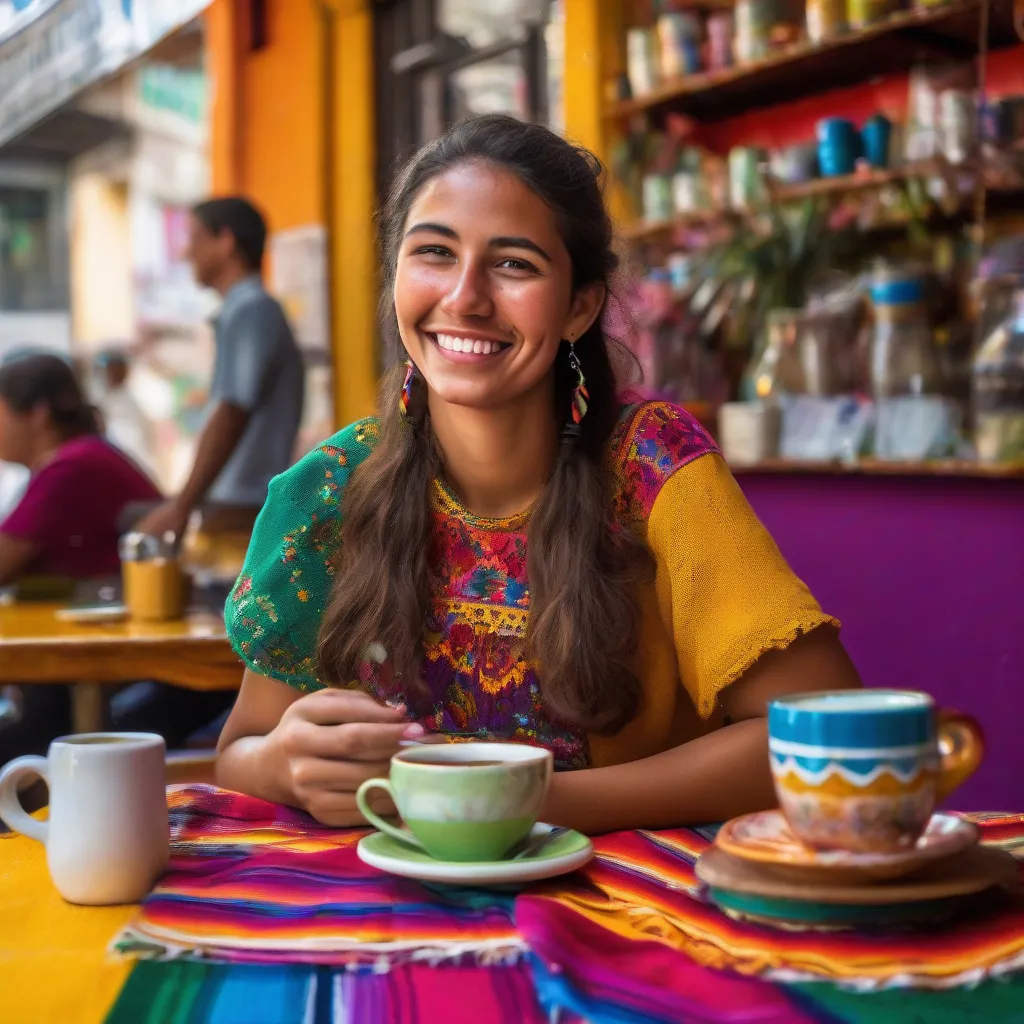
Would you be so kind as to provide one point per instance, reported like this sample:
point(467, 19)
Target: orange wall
point(268, 110)
point(270, 141)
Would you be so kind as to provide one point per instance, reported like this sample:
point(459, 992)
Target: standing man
point(258, 380)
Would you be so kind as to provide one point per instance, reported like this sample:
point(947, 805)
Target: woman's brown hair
point(30, 380)
point(583, 566)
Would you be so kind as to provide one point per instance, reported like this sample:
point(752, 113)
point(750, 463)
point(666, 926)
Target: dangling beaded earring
point(405, 397)
point(580, 397)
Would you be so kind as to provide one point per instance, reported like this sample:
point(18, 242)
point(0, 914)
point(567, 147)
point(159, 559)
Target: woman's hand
point(329, 742)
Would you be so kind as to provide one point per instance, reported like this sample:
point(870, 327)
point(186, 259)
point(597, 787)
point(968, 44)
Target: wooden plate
point(972, 871)
point(765, 838)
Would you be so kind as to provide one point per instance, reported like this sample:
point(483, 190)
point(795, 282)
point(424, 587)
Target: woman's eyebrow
point(433, 229)
point(513, 242)
point(501, 242)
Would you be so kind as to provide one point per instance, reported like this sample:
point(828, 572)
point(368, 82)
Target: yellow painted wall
point(101, 263)
point(354, 255)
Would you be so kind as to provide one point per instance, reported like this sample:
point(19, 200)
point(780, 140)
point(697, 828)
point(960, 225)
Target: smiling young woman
point(510, 550)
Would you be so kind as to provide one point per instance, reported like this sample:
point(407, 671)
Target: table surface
point(54, 964)
point(38, 647)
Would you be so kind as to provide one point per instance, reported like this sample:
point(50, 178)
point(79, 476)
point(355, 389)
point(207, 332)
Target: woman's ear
point(586, 307)
point(39, 417)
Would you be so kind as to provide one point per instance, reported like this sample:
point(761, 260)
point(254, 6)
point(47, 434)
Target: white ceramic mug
point(107, 834)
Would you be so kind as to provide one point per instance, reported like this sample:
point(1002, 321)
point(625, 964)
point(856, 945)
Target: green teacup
point(464, 801)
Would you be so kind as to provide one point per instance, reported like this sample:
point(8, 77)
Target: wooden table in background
point(38, 647)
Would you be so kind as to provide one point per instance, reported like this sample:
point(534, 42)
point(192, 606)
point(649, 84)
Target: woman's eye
point(514, 263)
point(433, 250)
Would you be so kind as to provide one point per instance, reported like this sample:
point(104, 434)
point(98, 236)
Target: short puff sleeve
point(274, 612)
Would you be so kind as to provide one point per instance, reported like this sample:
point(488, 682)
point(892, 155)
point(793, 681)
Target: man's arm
point(245, 359)
point(221, 434)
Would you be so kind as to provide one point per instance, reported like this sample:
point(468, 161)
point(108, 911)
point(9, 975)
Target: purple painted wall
point(927, 576)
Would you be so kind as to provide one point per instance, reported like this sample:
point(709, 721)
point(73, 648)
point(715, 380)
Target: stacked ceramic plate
point(758, 870)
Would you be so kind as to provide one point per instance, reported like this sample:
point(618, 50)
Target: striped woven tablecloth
point(629, 939)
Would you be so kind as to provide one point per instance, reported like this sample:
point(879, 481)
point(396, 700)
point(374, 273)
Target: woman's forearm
point(713, 778)
point(252, 765)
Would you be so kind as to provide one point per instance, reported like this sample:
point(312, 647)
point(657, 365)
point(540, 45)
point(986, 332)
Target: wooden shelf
point(879, 467)
point(998, 199)
point(861, 181)
point(640, 231)
point(805, 69)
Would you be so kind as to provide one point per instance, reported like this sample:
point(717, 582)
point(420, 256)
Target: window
point(442, 60)
point(32, 256)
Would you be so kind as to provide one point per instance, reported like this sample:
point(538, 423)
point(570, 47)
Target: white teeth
point(451, 343)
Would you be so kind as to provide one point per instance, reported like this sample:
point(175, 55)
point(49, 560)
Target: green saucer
point(797, 915)
point(567, 852)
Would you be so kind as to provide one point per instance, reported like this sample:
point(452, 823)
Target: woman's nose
point(469, 294)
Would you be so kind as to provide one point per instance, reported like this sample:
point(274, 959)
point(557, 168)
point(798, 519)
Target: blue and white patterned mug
point(862, 770)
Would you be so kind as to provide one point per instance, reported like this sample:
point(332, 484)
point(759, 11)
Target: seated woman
point(66, 523)
point(508, 550)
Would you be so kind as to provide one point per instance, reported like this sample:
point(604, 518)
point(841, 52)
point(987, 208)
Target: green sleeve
point(273, 614)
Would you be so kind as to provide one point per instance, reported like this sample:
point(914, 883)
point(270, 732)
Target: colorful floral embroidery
point(476, 676)
point(652, 441)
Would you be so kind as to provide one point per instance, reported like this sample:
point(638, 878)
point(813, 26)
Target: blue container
point(875, 137)
point(906, 291)
point(839, 146)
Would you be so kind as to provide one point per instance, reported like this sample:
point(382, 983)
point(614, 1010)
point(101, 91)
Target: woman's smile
point(465, 348)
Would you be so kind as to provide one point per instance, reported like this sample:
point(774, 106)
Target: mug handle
point(962, 746)
point(375, 819)
point(11, 810)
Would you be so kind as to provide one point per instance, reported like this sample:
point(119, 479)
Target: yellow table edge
point(54, 960)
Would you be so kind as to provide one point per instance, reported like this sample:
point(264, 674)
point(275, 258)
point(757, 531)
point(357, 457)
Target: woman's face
point(16, 433)
point(483, 289)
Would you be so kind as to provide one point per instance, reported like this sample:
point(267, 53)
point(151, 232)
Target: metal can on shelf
point(754, 22)
point(864, 13)
point(642, 61)
point(721, 27)
point(657, 197)
point(687, 191)
point(825, 19)
point(679, 44)
point(958, 124)
point(746, 186)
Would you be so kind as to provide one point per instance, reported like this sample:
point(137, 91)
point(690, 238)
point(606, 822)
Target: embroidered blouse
point(722, 594)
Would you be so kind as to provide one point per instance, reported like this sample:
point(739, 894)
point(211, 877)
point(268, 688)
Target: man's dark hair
point(242, 219)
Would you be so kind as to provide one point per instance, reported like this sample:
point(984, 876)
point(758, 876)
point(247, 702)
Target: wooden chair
point(191, 766)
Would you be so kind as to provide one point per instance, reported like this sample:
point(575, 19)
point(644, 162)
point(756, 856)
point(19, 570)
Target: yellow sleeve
point(724, 590)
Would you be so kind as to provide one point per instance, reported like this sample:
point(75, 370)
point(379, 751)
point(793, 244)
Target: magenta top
point(71, 508)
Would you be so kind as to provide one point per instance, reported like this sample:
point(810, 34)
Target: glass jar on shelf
point(778, 369)
point(998, 390)
point(903, 360)
point(914, 420)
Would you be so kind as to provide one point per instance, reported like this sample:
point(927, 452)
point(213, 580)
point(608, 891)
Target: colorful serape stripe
point(630, 938)
point(249, 878)
point(195, 992)
point(199, 992)
point(642, 886)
